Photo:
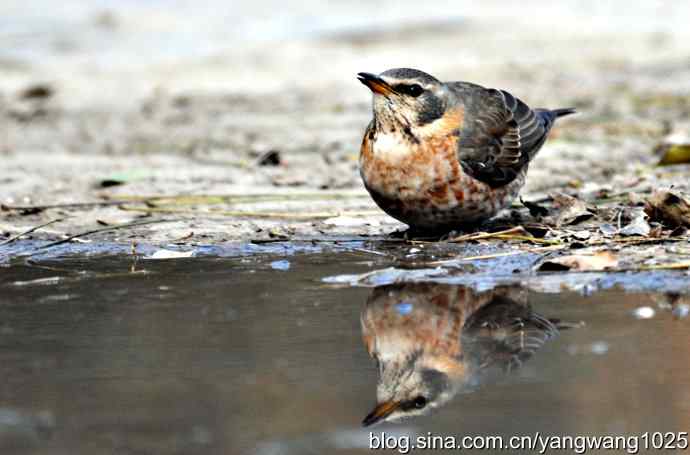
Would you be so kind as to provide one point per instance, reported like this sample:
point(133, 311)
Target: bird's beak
point(380, 412)
point(375, 83)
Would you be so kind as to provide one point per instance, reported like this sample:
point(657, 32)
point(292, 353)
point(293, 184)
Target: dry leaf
point(673, 154)
point(582, 235)
point(608, 229)
point(638, 226)
point(535, 209)
point(580, 262)
point(569, 210)
point(669, 208)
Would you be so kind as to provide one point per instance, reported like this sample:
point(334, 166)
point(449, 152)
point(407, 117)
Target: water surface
point(249, 355)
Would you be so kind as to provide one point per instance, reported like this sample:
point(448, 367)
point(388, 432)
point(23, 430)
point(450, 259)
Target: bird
point(432, 340)
point(444, 155)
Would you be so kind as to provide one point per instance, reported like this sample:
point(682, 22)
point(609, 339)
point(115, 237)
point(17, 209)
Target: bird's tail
point(549, 116)
point(562, 112)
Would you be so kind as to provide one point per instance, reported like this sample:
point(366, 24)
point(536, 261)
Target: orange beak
point(380, 412)
point(375, 83)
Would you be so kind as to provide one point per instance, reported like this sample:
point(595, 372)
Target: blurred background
point(95, 49)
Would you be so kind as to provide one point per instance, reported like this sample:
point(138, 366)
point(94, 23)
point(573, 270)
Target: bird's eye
point(419, 402)
point(409, 89)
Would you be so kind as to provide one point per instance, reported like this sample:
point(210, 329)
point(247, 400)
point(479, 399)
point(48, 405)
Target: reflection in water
point(206, 356)
point(431, 340)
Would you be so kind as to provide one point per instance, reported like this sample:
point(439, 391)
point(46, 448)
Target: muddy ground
point(271, 129)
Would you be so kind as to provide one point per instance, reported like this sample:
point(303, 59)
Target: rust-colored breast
point(419, 180)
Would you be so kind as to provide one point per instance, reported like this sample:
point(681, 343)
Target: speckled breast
point(422, 183)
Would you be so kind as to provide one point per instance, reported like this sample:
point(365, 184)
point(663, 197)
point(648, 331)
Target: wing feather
point(501, 134)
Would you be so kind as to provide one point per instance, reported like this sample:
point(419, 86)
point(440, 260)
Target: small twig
point(512, 253)
point(498, 255)
point(637, 241)
point(673, 266)
point(528, 238)
point(183, 199)
point(190, 199)
point(253, 214)
point(515, 233)
point(35, 228)
point(276, 240)
point(364, 250)
point(96, 231)
point(40, 208)
point(325, 239)
point(486, 235)
point(183, 238)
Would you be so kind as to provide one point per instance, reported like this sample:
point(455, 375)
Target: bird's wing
point(506, 333)
point(500, 134)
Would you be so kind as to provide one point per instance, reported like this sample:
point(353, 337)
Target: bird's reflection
point(431, 340)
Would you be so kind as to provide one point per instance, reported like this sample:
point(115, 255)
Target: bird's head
point(406, 98)
point(406, 391)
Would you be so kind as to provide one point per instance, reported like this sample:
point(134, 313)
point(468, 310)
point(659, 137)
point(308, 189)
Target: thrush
point(439, 155)
point(432, 340)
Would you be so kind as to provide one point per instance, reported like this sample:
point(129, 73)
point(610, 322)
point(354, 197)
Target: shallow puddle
point(260, 355)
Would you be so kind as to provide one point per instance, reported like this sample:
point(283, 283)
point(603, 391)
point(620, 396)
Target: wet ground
point(222, 137)
point(113, 105)
point(264, 354)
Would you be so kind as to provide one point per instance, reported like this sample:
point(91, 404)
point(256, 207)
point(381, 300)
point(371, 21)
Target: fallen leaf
point(537, 230)
point(535, 209)
point(580, 262)
point(569, 210)
point(673, 154)
point(670, 208)
point(582, 235)
point(609, 230)
point(638, 226)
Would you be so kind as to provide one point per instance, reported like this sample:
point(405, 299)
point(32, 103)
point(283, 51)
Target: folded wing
point(501, 133)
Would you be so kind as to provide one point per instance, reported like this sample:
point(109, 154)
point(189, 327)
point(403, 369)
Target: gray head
point(410, 389)
point(406, 97)
point(420, 360)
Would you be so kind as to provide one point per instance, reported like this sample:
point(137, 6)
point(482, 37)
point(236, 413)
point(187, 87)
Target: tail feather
point(562, 112)
point(549, 116)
